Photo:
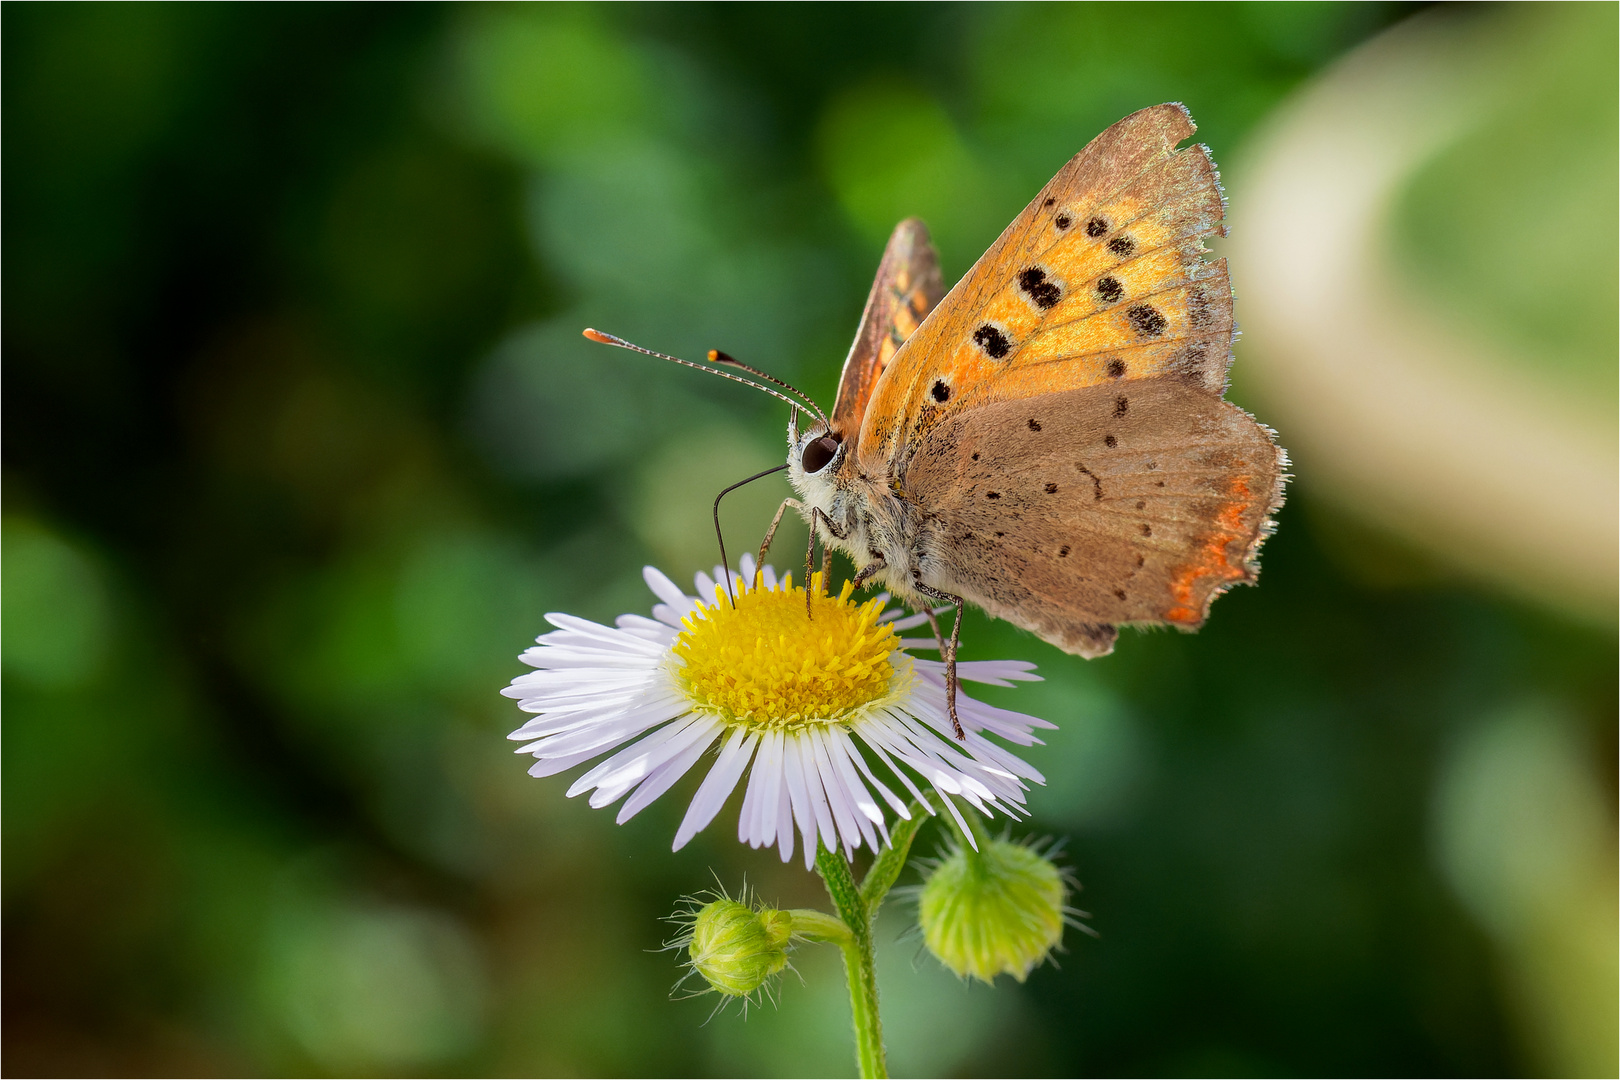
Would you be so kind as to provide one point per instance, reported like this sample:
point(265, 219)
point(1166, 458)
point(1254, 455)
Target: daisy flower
point(811, 710)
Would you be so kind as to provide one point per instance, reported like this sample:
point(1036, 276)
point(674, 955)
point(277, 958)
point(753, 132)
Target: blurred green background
point(301, 441)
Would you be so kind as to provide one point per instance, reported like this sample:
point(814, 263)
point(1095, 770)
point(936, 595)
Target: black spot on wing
point(1116, 369)
point(1044, 293)
point(1122, 405)
point(941, 392)
point(1147, 530)
point(1122, 246)
point(1063, 221)
point(992, 341)
point(1110, 442)
point(1050, 201)
point(993, 495)
point(1109, 289)
point(1063, 552)
point(1051, 489)
point(1096, 227)
point(1146, 319)
point(1034, 424)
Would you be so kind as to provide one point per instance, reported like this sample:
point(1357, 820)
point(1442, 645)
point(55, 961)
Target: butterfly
point(1049, 440)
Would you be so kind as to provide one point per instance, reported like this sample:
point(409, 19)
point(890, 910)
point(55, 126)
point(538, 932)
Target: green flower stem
point(858, 907)
point(813, 925)
point(860, 968)
point(885, 869)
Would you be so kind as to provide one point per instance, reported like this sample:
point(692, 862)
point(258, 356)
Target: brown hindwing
point(1136, 502)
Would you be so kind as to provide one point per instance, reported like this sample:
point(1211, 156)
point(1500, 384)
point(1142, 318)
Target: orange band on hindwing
point(1212, 559)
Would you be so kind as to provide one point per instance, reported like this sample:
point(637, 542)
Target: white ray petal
point(771, 819)
point(960, 823)
point(874, 732)
point(607, 635)
point(553, 766)
point(838, 800)
point(911, 622)
point(826, 826)
point(634, 762)
point(705, 585)
point(717, 786)
point(839, 753)
point(642, 764)
point(784, 821)
point(748, 816)
point(837, 775)
point(664, 777)
point(663, 588)
point(855, 755)
point(803, 813)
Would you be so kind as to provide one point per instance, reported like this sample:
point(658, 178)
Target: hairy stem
point(859, 965)
point(857, 907)
point(812, 925)
point(885, 869)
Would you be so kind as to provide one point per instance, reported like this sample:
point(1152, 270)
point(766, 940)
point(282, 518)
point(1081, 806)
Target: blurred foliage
point(301, 441)
point(1513, 227)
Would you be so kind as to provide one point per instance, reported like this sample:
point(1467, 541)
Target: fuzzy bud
point(736, 948)
point(998, 910)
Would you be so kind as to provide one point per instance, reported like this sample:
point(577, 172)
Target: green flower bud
point(996, 910)
point(736, 948)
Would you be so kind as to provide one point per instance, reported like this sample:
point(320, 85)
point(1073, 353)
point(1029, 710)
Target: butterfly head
point(813, 454)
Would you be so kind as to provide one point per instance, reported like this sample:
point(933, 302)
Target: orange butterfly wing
point(1101, 277)
point(906, 289)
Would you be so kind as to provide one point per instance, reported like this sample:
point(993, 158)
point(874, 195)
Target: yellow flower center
point(764, 664)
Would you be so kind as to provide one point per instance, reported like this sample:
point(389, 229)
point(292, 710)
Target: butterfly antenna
point(718, 357)
point(612, 339)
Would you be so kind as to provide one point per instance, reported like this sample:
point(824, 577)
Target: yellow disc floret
point(765, 664)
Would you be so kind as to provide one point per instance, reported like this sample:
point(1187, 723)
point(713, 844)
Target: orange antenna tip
point(598, 336)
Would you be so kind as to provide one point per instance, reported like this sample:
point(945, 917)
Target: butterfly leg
point(951, 682)
point(870, 570)
point(770, 533)
point(810, 562)
point(817, 517)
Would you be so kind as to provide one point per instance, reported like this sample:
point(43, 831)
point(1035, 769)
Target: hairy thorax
point(860, 516)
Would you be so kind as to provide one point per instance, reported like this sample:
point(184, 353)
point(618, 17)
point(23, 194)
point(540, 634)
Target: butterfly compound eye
point(819, 453)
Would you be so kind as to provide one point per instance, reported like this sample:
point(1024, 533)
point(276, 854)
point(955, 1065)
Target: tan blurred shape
point(1425, 426)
